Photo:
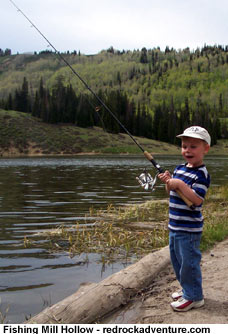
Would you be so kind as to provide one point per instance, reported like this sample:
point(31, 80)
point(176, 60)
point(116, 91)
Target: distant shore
point(22, 135)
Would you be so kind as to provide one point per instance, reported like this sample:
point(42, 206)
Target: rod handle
point(148, 155)
point(186, 200)
point(151, 159)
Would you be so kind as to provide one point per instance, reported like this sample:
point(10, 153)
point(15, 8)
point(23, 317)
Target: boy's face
point(193, 151)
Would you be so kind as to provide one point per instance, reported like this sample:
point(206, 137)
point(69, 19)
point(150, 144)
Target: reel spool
point(146, 181)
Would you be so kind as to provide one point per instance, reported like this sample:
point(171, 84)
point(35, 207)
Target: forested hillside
point(154, 93)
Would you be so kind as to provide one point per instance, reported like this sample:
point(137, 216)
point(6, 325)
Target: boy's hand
point(174, 184)
point(165, 177)
point(181, 186)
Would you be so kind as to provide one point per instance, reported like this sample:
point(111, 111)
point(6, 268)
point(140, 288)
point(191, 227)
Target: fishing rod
point(144, 179)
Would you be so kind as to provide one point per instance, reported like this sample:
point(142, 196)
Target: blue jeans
point(185, 257)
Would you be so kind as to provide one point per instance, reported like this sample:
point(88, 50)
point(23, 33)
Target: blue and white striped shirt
point(181, 217)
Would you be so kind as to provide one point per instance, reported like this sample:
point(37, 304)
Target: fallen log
point(87, 306)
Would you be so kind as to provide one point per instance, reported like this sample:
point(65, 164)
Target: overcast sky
point(93, 25)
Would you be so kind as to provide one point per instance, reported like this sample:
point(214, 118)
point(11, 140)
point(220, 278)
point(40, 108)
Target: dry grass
point(136, 230)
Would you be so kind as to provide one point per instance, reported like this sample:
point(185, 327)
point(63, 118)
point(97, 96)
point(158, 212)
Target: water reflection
point(41, 193)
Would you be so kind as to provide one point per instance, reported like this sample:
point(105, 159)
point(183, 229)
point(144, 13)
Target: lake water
point(37, 194)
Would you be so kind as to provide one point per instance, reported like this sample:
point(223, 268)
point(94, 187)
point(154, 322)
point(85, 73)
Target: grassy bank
point(120, 233)
point(216, 217)
point(22, 134)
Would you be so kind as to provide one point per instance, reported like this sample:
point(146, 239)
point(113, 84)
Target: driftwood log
point(98, 299)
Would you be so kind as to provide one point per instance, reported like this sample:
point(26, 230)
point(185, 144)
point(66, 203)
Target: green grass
point(216, 217)
point(21, 133)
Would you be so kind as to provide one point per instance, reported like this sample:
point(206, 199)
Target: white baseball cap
point(197, 132)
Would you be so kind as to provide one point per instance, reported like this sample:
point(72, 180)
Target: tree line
point(61, 104)
point(154, 94)
point(6, 52)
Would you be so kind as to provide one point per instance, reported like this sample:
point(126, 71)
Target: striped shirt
point(181, 217)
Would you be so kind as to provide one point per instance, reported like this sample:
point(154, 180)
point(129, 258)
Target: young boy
point(186, 224)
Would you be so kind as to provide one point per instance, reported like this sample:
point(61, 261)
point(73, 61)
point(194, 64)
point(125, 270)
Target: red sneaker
point(183, 305)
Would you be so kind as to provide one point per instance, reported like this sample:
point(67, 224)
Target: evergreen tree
point(112, 103)
point(41, 103)
point(143, 56)
point(21, 101)
point(71, 104)
point(130, 116)
point(156, 121)
point(25, 100)
point(83, 115)
point(172, 122)
point(9, 103)
point(58, 96)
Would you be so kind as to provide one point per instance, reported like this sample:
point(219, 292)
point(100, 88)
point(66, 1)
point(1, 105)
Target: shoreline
point(15, 154)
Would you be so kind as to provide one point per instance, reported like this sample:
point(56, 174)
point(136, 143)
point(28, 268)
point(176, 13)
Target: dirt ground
point(153, 306)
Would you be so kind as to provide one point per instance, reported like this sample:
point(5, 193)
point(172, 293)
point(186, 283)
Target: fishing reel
point(146, 181)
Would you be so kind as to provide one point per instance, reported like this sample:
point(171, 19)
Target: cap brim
point(192, 135)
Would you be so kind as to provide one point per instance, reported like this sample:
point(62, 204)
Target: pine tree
point(83, 115)
point(71, 103)
point(25, 100)
point(143, 56)
point(9, 103)
point(58, 95)
point(22, 99)
point(156, 121)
